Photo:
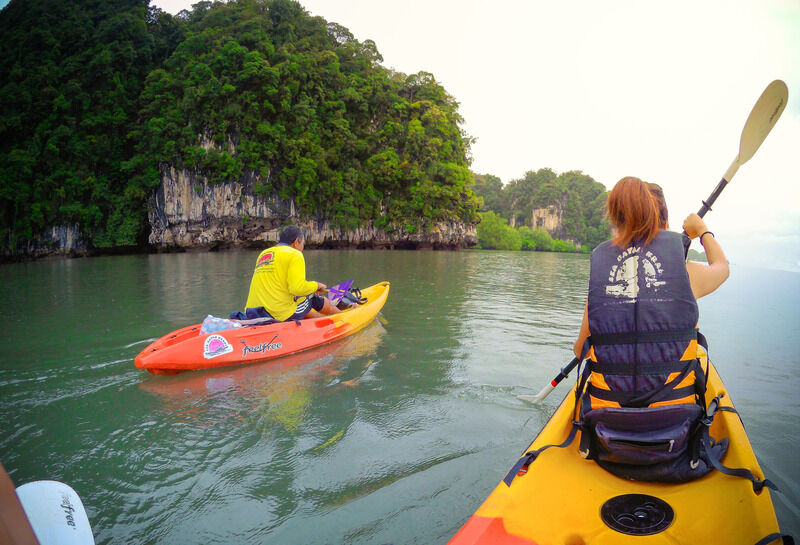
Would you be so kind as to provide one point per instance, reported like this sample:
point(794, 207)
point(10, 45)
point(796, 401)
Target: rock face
point(187, 212)
point(548, 218)
point(59, 240)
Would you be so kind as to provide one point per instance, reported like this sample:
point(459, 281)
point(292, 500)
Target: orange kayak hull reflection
point(189, 349)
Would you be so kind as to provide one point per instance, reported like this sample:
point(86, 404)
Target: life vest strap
point(640, 337)
point(630, 369)
point(625, 398)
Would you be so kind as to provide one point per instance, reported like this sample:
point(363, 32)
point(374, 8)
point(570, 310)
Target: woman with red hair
point(643, 389)
point(638, 211)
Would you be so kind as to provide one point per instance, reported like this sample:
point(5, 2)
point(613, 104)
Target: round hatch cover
point(637, 514)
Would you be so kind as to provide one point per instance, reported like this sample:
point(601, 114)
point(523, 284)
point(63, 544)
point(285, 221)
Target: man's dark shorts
point(314, 301)
point(260, 316)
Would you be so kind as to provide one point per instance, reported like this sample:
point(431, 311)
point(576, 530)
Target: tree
point(495, 234)
point(536, 239)
point(490, 189)
point(71, 75)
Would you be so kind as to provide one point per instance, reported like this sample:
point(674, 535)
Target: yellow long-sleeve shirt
point(279, 277)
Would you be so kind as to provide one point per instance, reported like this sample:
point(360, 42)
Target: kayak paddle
point(335, 293)
point(762, 118)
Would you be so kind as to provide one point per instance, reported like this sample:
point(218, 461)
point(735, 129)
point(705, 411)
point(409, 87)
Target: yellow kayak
point(563, 498)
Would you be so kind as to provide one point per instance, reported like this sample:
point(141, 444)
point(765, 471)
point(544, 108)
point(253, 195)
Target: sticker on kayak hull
point(216, 345)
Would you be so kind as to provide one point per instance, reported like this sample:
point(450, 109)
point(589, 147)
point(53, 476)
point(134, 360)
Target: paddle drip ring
point(637, 514)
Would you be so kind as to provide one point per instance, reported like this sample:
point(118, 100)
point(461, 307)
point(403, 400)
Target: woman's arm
point(584, 334)
point(705, 278)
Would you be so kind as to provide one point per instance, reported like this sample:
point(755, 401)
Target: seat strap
point(521, 467)
point(668, 392)
point(706, 443)
point(786, 539)
point(702, 341)
point(664, 393)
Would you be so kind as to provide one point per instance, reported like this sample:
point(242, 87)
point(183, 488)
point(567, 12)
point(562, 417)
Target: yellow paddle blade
point(762, 118)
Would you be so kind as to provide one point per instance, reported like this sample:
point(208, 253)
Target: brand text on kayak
point(263, 347)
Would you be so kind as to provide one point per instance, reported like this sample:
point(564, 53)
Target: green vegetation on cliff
point(70, 77)
point(494, 233)
point(576, 199)
point(98, 97)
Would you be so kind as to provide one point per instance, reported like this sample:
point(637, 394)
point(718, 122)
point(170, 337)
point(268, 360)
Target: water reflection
point(189, 286)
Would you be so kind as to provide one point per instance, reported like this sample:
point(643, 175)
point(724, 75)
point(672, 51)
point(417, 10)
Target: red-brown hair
point(658, 193)
point(634, 212)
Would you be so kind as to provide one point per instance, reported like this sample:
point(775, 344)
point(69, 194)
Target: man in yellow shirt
point(279, 284)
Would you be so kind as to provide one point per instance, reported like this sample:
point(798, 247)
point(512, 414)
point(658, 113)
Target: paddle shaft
point(711, 198)
point(553, 383)
point(720, 186)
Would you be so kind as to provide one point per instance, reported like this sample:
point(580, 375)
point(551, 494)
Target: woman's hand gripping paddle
point(762, 118)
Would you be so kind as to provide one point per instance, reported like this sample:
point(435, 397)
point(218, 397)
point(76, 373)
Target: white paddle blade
point(762, 118)
point(538, 397)
point(56, 513)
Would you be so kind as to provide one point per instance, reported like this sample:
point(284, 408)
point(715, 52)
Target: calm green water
point(392, 436)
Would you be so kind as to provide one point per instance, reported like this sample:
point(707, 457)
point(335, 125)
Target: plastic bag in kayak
point(212, 324)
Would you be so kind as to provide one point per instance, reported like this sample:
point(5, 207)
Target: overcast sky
point(658, 90)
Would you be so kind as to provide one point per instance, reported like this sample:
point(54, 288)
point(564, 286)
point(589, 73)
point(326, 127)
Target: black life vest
point(642, 320)
point(644, 387)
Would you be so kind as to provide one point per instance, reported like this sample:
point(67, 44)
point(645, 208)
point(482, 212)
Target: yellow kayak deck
point(558, 500)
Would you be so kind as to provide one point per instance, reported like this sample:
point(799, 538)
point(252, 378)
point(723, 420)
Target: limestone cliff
point(188, 212)
point(58, 240)
point(548, 218)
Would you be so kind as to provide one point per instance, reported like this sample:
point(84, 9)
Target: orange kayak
point(189, 349)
